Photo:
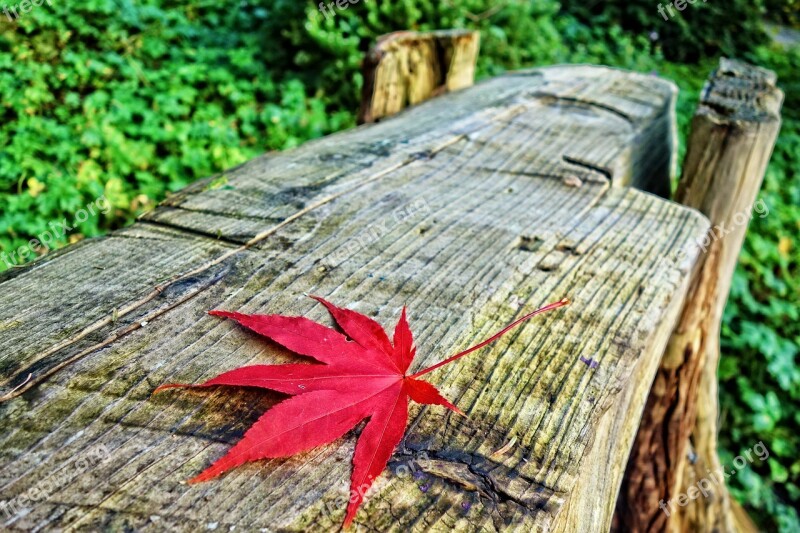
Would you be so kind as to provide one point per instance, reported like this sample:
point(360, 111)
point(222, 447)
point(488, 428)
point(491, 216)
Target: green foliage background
point(135, 99)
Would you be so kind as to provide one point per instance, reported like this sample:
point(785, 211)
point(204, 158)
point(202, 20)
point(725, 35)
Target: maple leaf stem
point(549, 307)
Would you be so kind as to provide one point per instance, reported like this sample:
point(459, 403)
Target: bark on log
point(406, 68)
point(470, 209)
point(733, 134)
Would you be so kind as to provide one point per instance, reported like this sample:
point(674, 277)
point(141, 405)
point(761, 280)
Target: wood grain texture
point(470, 210)
point(406, 68)
point(733, 133)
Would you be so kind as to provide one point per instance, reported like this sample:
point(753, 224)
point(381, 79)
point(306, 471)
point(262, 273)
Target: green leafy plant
point(134, 101)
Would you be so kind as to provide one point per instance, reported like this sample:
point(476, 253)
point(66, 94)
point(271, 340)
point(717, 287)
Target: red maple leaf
point(363, 375)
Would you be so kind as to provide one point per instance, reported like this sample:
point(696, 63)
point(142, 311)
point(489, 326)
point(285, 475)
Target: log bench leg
point(733, 134)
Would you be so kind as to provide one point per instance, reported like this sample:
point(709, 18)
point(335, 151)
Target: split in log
point(406, 68)
point(470, 209)
point(733, 134)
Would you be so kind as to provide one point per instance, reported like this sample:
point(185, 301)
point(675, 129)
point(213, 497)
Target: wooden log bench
point(471, 209)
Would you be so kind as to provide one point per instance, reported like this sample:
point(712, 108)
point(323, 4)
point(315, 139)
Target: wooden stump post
point(733, 134)
point(406, 68)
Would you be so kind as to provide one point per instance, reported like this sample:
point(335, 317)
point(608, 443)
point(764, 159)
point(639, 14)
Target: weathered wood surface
point(406, 68)
point(470, 209)
point(733, 135)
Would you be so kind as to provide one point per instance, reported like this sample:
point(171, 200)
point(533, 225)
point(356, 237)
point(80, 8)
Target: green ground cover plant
point(132, 100)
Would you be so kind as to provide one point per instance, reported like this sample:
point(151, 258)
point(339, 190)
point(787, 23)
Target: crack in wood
point(589, 103)
point(113, 337)
point(605, 172)
point(159, 289)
